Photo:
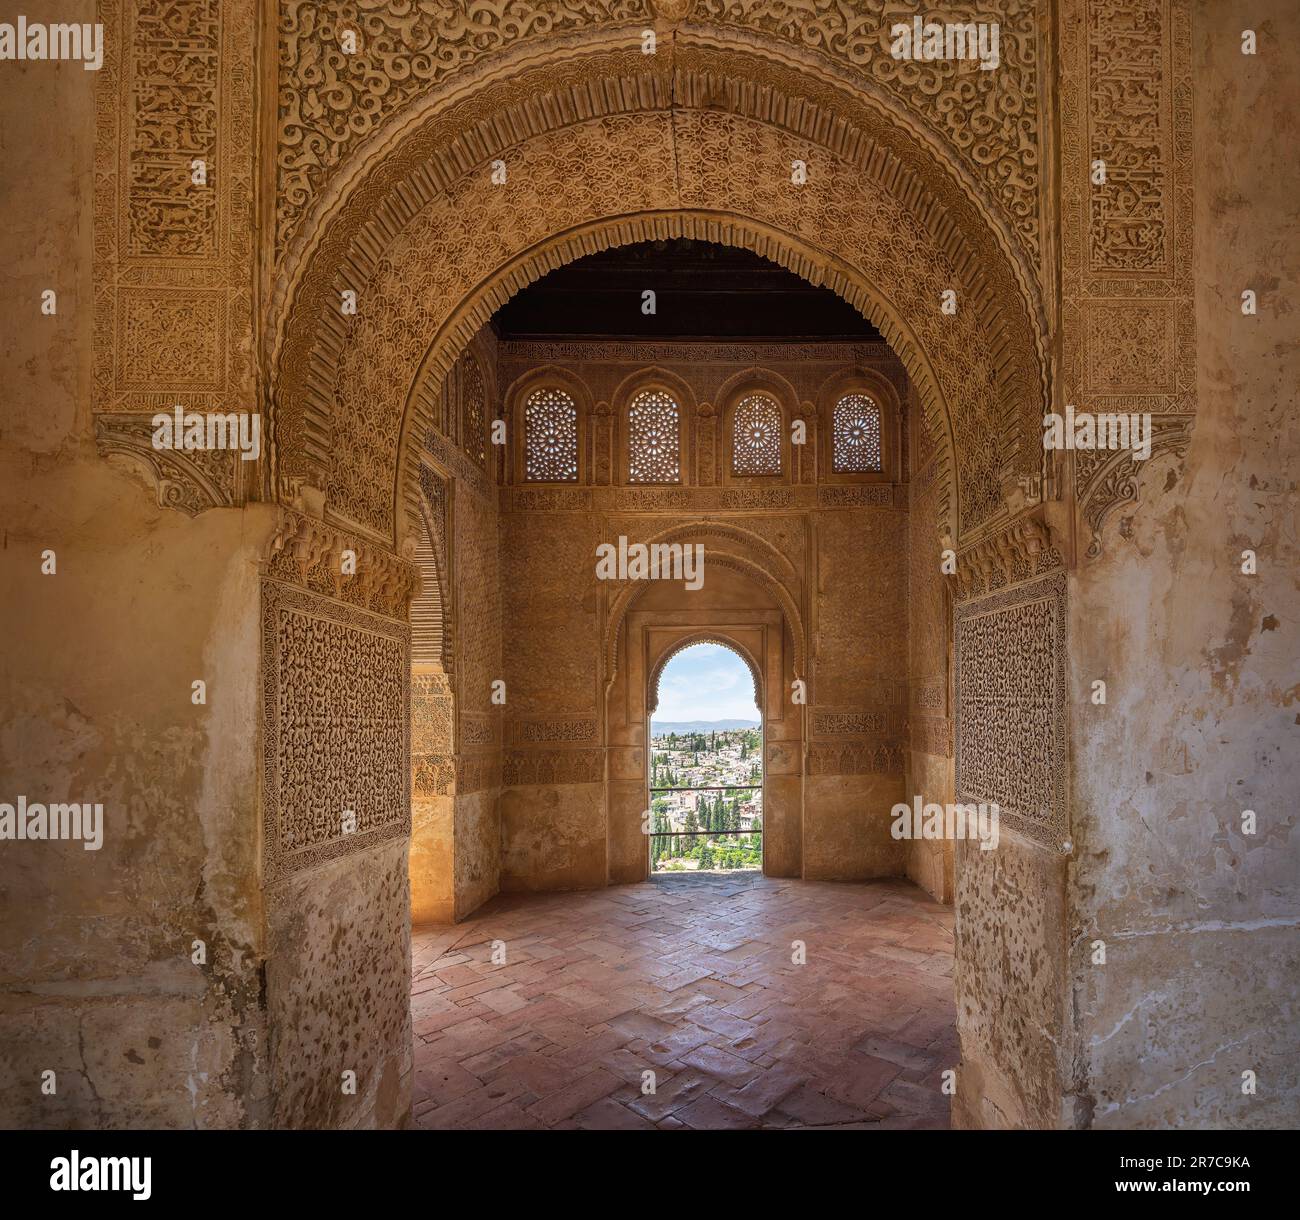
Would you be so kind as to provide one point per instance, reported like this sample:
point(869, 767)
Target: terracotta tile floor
point(690, 978)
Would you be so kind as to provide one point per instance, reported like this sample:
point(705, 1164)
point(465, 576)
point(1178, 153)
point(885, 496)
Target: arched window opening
point(756, 437)
point(654, 438)
point(550, 437)
point(706, 762)
point(855, 436)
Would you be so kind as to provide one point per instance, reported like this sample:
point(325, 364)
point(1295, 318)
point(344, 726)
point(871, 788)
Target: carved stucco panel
point(1107, 481)
point(310, 553)
point(990, 119)
point(532, 767)
point(335, 728)
point(191, 480)
point(431, 713)
point(330, 100)
point(1129, 315)
point(564, 729)
point(859, 758)
point(174, 257)
point(931, 735)
point(1012, 715)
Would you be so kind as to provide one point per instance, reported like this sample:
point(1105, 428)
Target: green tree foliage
point(720, 843)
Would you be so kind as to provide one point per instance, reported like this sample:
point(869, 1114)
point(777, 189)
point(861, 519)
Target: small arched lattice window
point(855, 436)
point(756, 436)
point(654, 452)
point(475, 419)
point(550, 437)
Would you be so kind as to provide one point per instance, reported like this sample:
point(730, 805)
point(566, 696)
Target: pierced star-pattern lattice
point(654, 439)
point(756, 436)
point(855, 436)
point(550, 437)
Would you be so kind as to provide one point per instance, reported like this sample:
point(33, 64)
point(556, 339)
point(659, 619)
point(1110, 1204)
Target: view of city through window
point(706, 765)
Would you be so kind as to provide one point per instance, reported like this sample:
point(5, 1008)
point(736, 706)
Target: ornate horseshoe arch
point(406, 236)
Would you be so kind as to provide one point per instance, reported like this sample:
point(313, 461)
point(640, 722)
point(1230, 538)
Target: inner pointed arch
point(693, 641)
point(815, 265)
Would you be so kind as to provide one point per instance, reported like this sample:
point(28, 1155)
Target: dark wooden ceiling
point(703, 291)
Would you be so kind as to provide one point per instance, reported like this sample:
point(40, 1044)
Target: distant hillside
point(660, 727)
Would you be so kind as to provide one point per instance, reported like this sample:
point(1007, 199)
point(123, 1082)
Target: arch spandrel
point(423, 148)
point(738, 534)
point(625, 599)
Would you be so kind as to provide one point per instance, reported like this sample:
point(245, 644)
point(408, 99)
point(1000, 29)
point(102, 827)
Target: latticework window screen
point(550, 437)
point(855, 436)
point(653, 439)
point(756, 436)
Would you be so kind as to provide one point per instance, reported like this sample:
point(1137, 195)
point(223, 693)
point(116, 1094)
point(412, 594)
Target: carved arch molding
point(597, 156)
point(360, 144)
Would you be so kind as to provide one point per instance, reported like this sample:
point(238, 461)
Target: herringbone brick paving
point(690, 977)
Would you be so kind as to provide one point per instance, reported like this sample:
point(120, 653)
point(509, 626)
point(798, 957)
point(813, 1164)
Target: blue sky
point(706, 682)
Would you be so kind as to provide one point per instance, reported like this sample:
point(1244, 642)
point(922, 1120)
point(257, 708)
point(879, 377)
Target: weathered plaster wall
point(338, 990)
point(553, 837)
point(478, 849)
point(99, 985)
point(1010, 980)
point(1200, 920)
point(96, 978)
